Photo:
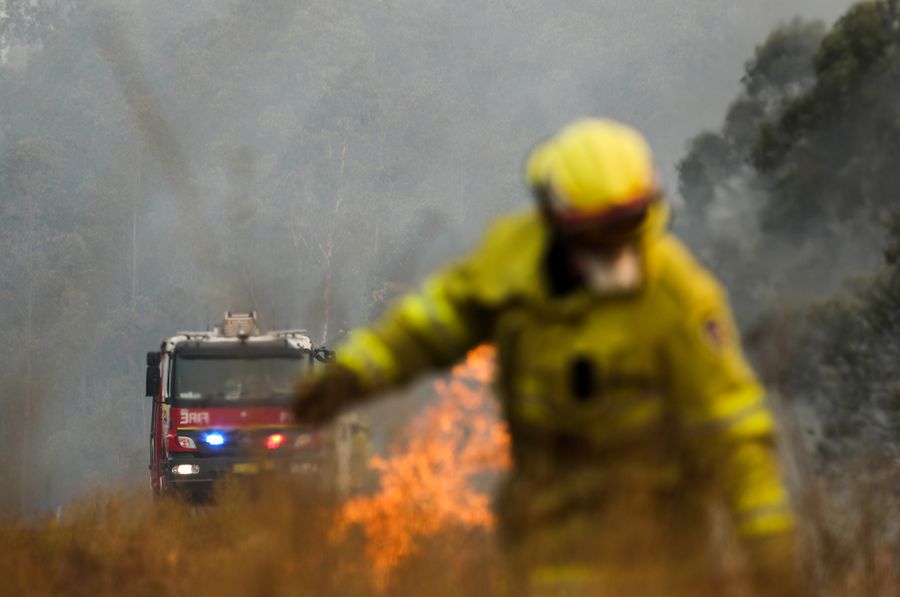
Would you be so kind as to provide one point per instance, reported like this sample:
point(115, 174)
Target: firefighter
point(630, 406)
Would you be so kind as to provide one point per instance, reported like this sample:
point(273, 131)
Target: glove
point(773, 566)
point(320, 398)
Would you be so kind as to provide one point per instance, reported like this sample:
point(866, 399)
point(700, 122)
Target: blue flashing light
point(214, 439)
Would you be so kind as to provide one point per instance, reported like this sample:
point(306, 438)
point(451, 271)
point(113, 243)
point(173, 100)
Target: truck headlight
point(185, 469)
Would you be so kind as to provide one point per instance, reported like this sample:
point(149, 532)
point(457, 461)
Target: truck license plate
point(246, 468)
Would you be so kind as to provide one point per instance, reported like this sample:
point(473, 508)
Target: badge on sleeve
point(714, 333)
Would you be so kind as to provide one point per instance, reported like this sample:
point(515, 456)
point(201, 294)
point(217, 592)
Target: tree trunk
point(329, 252)
point(134, 218)
point(28, 409)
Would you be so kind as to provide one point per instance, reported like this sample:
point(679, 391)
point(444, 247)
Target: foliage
point(815, 127)
point(843, 362)
point(781, 69)
point(830, 154)
point(27, 22)
point(806, 158)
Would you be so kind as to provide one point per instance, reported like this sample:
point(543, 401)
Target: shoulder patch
point(714, 333)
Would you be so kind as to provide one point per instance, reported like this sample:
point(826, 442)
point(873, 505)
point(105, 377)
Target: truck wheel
point(162, 488)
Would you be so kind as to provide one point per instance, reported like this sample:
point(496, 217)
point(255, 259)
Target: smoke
point(790, 197)
point(311, 161)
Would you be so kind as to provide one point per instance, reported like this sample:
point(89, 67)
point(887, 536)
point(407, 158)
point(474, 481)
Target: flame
point(425, 485)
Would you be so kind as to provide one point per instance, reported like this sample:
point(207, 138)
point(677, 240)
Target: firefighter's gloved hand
point(320, 398)
point(773, 565)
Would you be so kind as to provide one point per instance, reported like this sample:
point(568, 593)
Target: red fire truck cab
point(221, 405)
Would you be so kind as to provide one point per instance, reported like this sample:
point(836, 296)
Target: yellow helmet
point(536, 170)
point(598, 171)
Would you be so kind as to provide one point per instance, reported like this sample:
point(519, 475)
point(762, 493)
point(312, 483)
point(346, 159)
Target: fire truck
point(221, 405)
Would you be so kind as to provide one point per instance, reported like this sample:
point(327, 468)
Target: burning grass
point(426, 484)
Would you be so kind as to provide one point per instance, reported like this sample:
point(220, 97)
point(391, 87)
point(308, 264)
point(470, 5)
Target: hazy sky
point(669, 67)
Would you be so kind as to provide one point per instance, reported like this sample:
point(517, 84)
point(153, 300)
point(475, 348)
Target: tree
point(28, 22)
point(843, 362)
point(811, 143)
point(780, 70)
point(829, 155)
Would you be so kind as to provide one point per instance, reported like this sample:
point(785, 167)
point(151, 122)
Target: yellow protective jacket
point(609, 373)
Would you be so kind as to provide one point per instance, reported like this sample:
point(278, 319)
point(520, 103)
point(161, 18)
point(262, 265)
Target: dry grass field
point(281, 540)
point(426, 529)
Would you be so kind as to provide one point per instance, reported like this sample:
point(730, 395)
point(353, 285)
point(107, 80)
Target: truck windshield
point(231, 381)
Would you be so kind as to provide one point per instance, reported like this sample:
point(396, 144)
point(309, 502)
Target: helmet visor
point(607, 229)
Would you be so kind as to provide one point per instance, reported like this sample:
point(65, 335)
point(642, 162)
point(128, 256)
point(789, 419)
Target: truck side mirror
point(152, 382)
point(323, 355)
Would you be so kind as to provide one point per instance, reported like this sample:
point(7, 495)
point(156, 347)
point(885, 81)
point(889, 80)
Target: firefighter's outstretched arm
point(729, 432)
point(427, 329)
